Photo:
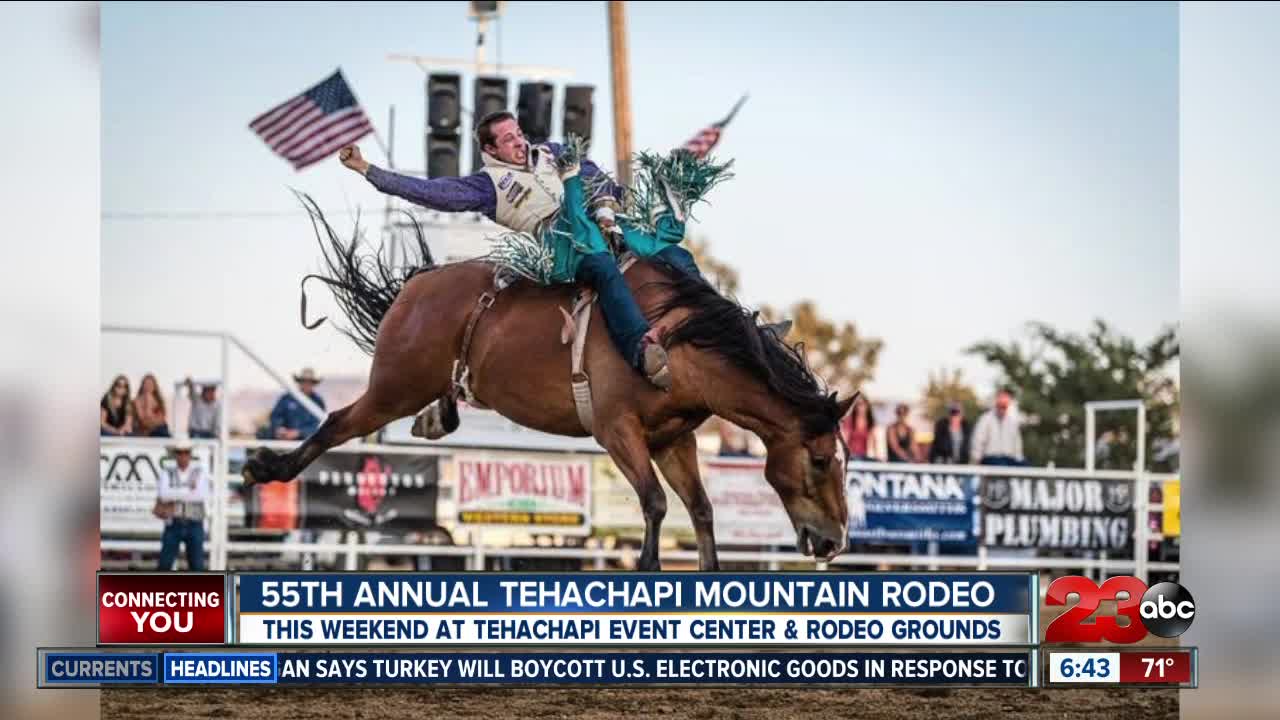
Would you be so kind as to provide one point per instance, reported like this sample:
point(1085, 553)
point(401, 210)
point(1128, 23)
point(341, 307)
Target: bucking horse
point(420, 322)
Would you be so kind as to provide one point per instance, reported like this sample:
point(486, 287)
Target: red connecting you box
point(161, 609)
point(1172, 667)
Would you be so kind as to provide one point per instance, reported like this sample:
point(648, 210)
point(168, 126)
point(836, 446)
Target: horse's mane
point(723, 326)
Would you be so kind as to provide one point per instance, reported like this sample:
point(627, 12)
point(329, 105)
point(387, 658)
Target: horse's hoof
point(429, 424)
point(261, 469)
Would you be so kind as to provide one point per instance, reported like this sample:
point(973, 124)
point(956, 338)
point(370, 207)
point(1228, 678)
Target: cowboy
point(181, 494)
point(290, 420)
point(539, 190)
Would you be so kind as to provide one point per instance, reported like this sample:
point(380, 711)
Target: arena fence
point(223, 551)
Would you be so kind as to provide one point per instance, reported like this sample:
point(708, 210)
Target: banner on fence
point(128, 476)
point(615, 505)
point(542, 493)
point(370, 491)
point(1057, 513)
point(1171, 498)
point(893, 506)
point(747, 509)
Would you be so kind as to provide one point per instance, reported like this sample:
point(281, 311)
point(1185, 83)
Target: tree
point(721, 275)
point(946, 387)
point(836, 352)
point(1058, 372)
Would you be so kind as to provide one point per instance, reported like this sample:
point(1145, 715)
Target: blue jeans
point(179, 531)
point(622, 315)
point(1003, 460)
point(681, 258)
point(203, 435)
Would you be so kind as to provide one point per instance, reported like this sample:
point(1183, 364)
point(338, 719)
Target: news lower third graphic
point(791, 628)
point(712, 610)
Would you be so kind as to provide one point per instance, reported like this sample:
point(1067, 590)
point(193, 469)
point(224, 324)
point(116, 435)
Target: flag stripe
point(329, 138)
point(291, 123)
point(341, 140)
point(271, 115)
point(318, 130)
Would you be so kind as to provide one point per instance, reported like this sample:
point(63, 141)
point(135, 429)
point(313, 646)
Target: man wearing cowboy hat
point(289, 419)
point(181, 493)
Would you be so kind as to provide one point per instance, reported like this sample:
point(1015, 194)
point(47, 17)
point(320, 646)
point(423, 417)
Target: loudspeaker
point(444, 104)
point(578, 111)
point(443, 154)
point(533, 110)
point(490, 96)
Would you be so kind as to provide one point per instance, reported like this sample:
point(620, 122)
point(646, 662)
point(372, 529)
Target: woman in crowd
point(859, 429)
point(116, 416)
point(901, 438)
point(151, 418)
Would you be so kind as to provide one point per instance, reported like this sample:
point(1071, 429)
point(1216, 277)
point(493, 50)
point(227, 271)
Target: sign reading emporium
point(544, 493)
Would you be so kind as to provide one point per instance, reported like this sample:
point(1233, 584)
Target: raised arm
point(473, 193)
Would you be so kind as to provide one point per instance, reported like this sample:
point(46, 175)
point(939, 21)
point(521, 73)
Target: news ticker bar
point(704, 610)
point(94, 668)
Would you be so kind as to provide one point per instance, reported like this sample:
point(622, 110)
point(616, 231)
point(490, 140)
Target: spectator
point(901, 438)
point(206, 411)
point(289, 419)
point(116, 416)
point(951, 437)
point(859, 429)
point(152, 420)
point(997, 439)
point(180, 503)
point(733, 440)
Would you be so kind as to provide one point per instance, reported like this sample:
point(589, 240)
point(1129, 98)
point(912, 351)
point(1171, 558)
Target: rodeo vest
point(527, 196)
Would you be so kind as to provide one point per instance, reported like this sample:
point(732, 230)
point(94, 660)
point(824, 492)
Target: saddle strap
point(578, 378)
point(461, 368)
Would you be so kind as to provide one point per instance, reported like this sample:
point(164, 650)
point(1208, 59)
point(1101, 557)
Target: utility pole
point(621, 89)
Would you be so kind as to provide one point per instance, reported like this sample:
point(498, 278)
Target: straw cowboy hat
point(307, 374)
point(179, 445)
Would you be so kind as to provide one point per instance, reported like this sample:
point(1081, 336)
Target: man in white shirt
point(997, 438)
point(180, 501)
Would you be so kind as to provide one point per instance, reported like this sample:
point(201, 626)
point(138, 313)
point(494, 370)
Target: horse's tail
point(364, 286)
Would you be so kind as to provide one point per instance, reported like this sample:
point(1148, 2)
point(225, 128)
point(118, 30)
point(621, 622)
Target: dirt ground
point(590, 703)
point(275, 703)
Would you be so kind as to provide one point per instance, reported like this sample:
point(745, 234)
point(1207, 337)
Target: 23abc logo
point(1165, 609)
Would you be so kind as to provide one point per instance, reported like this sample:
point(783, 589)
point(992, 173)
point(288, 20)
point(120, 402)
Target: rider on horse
point(546, 191)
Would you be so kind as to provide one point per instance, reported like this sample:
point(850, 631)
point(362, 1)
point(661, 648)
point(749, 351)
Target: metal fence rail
point(222, 547)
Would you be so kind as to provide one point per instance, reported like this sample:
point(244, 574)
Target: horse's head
point(807, 470)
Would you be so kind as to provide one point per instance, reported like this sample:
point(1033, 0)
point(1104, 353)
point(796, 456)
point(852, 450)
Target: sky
point(937, 174)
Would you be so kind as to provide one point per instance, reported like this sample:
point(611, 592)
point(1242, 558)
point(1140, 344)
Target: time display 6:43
point(1084, 667)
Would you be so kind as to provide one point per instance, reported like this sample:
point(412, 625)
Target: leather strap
point(461, 368)
point(578, 377)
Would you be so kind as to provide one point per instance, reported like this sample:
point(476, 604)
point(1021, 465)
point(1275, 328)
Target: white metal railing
point(221, 546)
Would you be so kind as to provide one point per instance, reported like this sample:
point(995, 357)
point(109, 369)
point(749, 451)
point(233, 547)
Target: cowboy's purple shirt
point(471, 193)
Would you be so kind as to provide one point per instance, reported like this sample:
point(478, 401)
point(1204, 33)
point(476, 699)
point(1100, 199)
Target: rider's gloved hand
point(350, 156)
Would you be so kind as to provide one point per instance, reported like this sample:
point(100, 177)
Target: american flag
point(309, 127)
point(707, 137)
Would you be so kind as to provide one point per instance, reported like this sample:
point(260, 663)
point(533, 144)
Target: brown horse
point(723, 363)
